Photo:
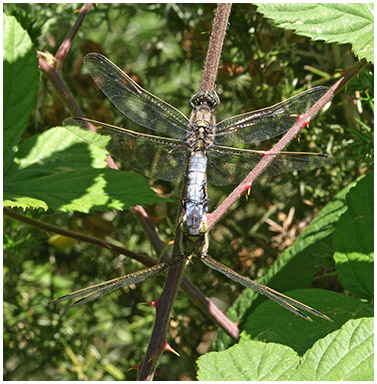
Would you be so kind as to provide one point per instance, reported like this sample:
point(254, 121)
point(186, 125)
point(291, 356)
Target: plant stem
point(157, 342)
point(239, 191)
point(197, 296)
point(66, 44)
point(215, 47)
point(194, 292)
point(59, 84)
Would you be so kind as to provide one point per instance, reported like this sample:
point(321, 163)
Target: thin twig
point(79, 236)
point(239, 191)
point(59, 84)
point(66, 44)
point(195, 294)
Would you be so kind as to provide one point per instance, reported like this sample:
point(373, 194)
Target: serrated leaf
point(20, 78)
point(346, 354)
point(296, 267)
point(58, 170)
point(272, 323)
point(251, 361)
point(353, 240)
point(331, 22)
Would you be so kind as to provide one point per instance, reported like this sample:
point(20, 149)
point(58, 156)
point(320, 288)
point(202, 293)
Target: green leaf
point(272, 323)
point(251, 361)
point(333, 23)
point(346, 354)
point(58, 170)
point(297, 266)
point(353, 240)
point(20, 78)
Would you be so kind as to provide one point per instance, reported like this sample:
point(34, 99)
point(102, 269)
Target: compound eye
point(211, 99)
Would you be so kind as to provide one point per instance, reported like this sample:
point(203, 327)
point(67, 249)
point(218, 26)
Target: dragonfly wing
point(95, 291)
point(264, 124)
point(231, 165)
point(133, 101)
point(285, 301)
point(154, 156)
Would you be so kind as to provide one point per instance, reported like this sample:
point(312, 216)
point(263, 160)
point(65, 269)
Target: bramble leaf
point(341, 23)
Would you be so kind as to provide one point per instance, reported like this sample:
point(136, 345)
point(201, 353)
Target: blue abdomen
point(196, 195)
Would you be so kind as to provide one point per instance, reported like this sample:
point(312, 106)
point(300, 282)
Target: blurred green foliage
point(163, 46)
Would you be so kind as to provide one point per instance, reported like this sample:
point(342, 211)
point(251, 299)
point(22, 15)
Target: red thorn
point(135, 367)
point(247, 189)
point(154, 303)
point(167, 347)
point(151, 358)
point(304, 123)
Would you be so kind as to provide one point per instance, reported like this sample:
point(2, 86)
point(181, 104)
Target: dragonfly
point(197, 148)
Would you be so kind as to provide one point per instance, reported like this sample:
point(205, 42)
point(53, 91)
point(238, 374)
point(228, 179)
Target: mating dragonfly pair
point(198, 147)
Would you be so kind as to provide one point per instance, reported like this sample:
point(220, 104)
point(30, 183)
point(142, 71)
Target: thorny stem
point(214, 217)
point(207, 305)
point(215, 47)
point(174, 277)
point(66, 45)
point(197, 296)
point(59, 84)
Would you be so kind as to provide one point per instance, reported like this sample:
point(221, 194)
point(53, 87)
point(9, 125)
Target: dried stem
point(157, 342)
point(283, 142)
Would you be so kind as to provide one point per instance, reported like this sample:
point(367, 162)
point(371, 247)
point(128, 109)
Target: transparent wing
point(257, 126)
point(279, 298)
point(133, 101)
point(95, 291)
point(153, 156)
point(230, 165)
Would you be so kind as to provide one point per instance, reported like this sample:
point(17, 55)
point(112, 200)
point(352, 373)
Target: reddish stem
point(66, 44)
point(283, 142)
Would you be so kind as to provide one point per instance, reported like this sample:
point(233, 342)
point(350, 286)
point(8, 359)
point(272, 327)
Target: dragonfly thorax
point(202, 123)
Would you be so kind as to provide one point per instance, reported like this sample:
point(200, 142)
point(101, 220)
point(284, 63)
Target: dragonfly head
point(208, 98)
